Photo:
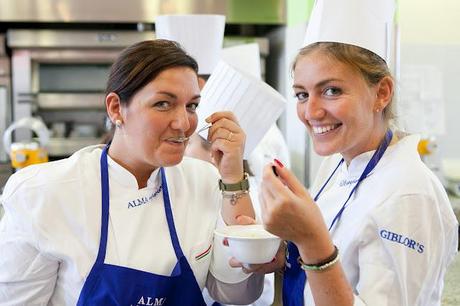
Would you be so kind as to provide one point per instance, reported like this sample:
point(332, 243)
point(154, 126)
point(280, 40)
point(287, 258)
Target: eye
point(332, 91)
point(191, 107)
point(162, 105)
point(301, 96)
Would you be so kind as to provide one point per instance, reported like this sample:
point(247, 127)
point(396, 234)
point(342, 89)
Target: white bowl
point(250, 244)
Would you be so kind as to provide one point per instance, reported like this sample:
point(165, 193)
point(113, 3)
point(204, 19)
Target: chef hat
point(200, 35)
point(245, 58)
point(364, 23)
point(255, 104)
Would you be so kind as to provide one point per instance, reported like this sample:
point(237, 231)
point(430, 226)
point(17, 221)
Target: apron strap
point(105, 207)
point(169, 216)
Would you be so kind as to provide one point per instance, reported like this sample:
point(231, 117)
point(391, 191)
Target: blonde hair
point(368, 64)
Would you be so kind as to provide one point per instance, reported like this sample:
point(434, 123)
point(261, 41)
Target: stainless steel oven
point(60, 76)
point(5, 96)
point(5, 112)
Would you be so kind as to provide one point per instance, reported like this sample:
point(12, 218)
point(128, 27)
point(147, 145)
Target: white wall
point(430, 36)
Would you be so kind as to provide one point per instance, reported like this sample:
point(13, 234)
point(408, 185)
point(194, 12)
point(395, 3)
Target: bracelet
point(234, 196)
point(242, 185)
point(323, 265)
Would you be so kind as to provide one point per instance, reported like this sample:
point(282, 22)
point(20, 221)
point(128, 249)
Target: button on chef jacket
point(398, 233)
point(49, 236)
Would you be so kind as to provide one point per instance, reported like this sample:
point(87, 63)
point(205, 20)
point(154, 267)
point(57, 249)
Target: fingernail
point(274, 170)
point(280, 164)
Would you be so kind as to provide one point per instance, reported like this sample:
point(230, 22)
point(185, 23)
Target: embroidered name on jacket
point(347, 183)
point(150, 301)
point(143, 200)
point(401, 239)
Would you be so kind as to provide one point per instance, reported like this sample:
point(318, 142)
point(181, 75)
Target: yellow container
point(25, 154)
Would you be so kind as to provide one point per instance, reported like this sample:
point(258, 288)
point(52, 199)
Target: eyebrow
point(320, 84)
point(173, 96)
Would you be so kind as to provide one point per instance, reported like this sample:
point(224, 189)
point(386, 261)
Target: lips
point(323, 129)
point(179, 139)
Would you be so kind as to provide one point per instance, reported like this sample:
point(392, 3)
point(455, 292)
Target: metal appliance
point(5, 111)
point(144, 11)
point(5, 94)
point(60, 76)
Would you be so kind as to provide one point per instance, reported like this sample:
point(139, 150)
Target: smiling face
point(337, 106)
point(159, 119)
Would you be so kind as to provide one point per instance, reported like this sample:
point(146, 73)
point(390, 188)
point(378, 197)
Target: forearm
point(242, 206)
point(329, 286)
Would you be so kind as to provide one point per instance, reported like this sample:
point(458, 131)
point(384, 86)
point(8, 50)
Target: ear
point(384, 93)
point(113, 106)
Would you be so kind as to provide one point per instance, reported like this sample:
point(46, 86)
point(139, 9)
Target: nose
point(181, 120)
point(311, 109)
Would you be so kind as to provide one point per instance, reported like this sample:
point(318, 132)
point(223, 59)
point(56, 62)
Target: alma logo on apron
point(150, 301)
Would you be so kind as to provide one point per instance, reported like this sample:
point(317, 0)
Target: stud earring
point(118, 123)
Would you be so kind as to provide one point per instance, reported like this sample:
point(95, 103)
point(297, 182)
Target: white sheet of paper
point(245, 58)
point(255, 104)
point(201, 36)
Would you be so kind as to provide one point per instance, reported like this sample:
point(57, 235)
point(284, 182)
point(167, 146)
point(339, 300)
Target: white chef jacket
point(49, 236)
point(398, 233)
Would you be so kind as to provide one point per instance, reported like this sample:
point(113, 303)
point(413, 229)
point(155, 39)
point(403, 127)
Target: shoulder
point(405, 174)
point(409, 187)
point(51, 174)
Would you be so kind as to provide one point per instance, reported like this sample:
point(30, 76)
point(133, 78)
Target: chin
point(322, 150)
point(168, 162)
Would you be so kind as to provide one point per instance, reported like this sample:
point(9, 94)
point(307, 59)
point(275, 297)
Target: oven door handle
point(27, 98)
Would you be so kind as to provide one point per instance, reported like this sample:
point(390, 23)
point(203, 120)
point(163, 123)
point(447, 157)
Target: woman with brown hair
point(130, 223)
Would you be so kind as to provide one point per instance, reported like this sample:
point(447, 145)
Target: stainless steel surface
point(66, 146)
point(64, 84)
point(5, 173)
point(237, 11)
point(5, 102)
point(74, 39)
point(69, 101)
point(2, 44)
point(28, 99)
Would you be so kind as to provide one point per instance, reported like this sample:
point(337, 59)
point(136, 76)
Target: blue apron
point(109, 285)
point(294, 278)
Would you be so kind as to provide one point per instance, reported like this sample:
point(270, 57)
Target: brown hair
point(368, 64)
point(142, 62)
point(139, 64)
